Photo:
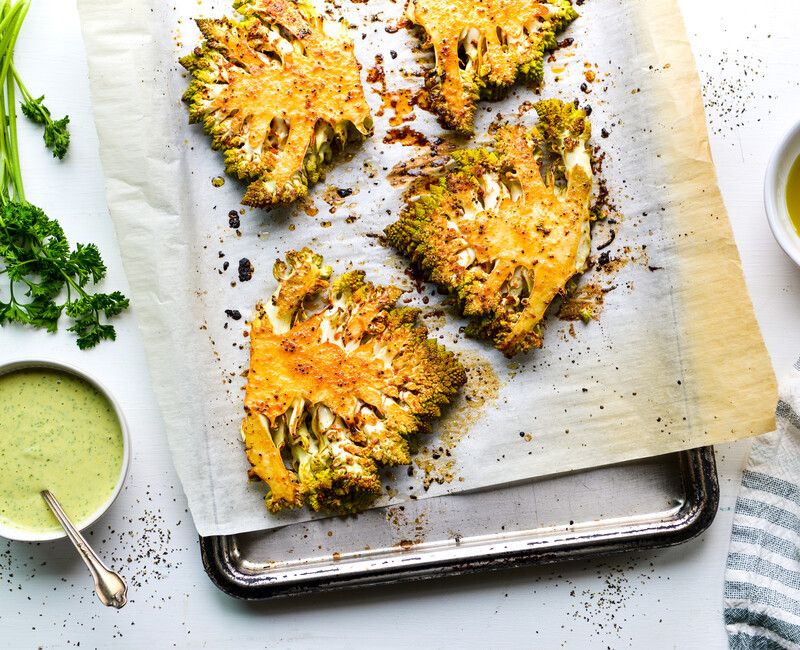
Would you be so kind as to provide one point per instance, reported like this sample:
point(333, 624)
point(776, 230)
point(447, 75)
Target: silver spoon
point(110, 587)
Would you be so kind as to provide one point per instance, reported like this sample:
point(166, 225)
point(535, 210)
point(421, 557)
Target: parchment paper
point(674, 361)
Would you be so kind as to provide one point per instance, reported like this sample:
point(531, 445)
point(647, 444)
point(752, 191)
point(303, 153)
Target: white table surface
point(660, 599)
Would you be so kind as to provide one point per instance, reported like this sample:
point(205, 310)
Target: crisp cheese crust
point(501, 237)
point(340, 378)
point(482, 46)
point(275, 91)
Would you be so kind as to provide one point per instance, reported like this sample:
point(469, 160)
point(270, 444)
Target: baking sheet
point(645, 503)
point(675, 360)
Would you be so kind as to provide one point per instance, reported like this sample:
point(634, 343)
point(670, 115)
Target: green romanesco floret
point(279, 91)
point(341, 379)
point(483, 47)
point(505, 230)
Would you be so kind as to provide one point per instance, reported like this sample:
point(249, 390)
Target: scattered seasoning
point(235, 314)
point(730, 94)
point(481, 390)
point(233, 219)
point(245, 270)
point(143, 545)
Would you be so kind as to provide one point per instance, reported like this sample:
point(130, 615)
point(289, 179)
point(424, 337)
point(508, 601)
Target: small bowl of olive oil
point(782, 194)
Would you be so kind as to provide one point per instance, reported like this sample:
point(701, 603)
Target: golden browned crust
point(351, 381)
point(264, 87)
point(482, 46)
point(501, 237)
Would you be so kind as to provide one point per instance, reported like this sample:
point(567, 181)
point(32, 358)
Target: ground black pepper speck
point(730, 93)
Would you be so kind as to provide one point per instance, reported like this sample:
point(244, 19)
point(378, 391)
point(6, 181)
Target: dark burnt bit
point(612, 236)
point(604, 133)
point(396, 27)
point(246, 270)
point(566, 42)
point(376, 74)
point(225, 265)
point(416, 278)
point(233, 219)
point(344, 192)
point(602, 206)
point(235, 314)
point(406, 136)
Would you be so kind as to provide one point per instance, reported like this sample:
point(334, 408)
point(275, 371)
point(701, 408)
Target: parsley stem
point(45, 278)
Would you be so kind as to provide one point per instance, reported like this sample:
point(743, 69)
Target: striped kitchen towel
point(762, 578)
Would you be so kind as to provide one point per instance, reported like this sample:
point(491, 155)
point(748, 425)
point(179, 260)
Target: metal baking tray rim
point(224, 567)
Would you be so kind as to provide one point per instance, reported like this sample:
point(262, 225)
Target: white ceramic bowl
point(32, 536)
point(775, 193)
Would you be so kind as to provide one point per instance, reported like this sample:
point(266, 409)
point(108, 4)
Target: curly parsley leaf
point(56, 133)
point(35, 110)
point(56, 137)
point(40, 266)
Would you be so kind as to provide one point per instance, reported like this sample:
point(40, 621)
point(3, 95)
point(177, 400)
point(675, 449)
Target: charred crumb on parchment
point(245, 270)
point(335, 196)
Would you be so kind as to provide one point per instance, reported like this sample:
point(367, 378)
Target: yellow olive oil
point(793, 195)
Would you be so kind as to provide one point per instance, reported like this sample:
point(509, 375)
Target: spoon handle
point(110, 587)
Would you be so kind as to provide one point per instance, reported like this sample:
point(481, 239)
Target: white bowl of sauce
point(782, 194)
point(60, 430)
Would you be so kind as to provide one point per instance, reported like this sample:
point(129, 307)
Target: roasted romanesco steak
point(278, 91)
point(482, 47)
point(340, 379)
point(506, 229)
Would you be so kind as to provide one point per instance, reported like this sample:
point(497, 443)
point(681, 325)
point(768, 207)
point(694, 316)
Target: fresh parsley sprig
point(45, 277)
point(56, 134)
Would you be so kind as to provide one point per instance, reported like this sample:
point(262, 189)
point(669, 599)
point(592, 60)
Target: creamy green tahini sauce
point(57, 432)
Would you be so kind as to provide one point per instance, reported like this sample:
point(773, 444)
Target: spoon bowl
point(108, 585)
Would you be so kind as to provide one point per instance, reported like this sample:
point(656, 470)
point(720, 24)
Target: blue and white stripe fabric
point(762, 578)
